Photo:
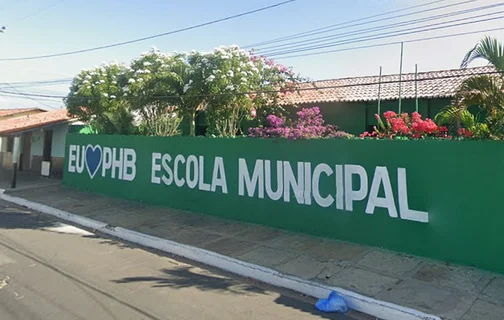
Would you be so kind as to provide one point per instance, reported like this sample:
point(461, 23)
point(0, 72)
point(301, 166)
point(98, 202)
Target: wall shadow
point(181, 277)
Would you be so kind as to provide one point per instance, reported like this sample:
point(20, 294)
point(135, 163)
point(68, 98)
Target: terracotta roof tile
point(27, 122)
point(10, 112)
point(434, 84)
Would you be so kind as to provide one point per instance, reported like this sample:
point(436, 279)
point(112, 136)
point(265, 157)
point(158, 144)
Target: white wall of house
point(37, 143)
point(3, 144)
point(58, 140)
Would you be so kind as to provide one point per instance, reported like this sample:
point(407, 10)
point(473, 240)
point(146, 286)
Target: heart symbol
point(93, 159)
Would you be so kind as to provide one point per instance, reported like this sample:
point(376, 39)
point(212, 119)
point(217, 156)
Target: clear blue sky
point(77, 24)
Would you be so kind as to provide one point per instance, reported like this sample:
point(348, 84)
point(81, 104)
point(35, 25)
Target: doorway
point(24, 163)
point(46, 156)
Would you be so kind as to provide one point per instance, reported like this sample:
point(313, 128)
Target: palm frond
point(452, 115)
point(484, 91)
point(489, 49)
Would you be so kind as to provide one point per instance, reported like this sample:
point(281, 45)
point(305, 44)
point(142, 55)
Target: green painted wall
point(352, 117)
point(459, 184)
point(355, 117)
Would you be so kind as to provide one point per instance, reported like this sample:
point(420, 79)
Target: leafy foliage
point(235, 82)
point(402, 126)
point(96, 96)
point(227, 83)
point(309, 125)
point(484, 91)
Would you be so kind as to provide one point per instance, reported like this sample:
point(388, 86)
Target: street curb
point(355, 301)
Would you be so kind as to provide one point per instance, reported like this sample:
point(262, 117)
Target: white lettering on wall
point(381, 177)
point(81, 157)
point(129, 164)
point(201, 184)
point(192, 165)
point(155, 168)
point(340, 189)
point(251, 183)
point(107, 160)
point(274, 195)
point(307, 183)
point(405, 211)
point(165, 162)
point(178, 159)
point(352, 195)
point(72, 157)
point(219, 175)
point(290, 182)
point(317, 172)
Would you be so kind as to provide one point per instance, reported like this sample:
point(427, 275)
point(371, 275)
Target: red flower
point(389, 114)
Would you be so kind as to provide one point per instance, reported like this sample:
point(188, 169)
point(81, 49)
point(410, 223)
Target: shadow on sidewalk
point(18, 218)
point(187, 276)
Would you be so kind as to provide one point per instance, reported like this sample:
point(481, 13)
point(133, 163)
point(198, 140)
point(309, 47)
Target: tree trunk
point(192, 124)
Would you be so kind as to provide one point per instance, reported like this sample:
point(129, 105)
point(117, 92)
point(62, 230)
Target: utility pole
point(15, 159)
point(400, 78)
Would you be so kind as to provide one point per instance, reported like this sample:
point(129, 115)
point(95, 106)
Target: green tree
point(234, 82)
point(160, 88)
point(484, 91)
point(96, 97)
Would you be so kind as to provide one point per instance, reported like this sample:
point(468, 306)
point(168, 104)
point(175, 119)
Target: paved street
point(49, 270)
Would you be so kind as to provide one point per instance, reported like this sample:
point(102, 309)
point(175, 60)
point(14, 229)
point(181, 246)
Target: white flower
point(190, 81)
point(114, 82)
point(105, 94)
point(126, 89)
point(102, 81)
point(85, 81)
point(244, 73)
point(173, 115)
point(147, 63)
point(146, 71)
point(238, 69)
point(112, 97)
point(140, 80)
point(210, 78)
point(244, 80)
point(88, 77)
point(186, 87)
point(230, 87)
point(131, 80)
point(97, 82)
point(231, 73)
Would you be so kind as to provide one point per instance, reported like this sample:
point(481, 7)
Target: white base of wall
point(355, 301)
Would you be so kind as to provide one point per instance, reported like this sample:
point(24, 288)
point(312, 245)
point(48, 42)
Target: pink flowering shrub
point(405, 127)
point(309, 125)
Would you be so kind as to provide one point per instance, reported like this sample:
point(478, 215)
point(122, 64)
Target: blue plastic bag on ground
point(333, 303)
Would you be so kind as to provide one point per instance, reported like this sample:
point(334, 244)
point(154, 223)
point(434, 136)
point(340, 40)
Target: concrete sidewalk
point(451, 292)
